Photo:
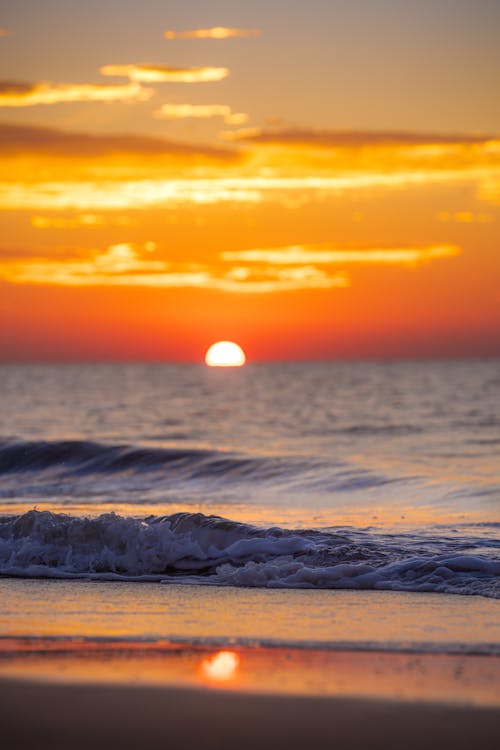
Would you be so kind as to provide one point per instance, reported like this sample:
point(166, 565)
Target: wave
point(41, 467)
point(72, 459)
point(192, 548)
point(87, 457)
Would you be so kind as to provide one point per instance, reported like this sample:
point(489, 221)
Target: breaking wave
point(193, 548)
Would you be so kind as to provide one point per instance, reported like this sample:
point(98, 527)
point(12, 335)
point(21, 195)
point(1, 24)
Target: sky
point(311, 180)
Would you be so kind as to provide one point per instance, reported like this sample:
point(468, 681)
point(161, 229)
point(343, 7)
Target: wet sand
point(49, 715)
point(212, 614)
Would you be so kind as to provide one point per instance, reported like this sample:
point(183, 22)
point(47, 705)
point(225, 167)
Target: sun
point(225, 354)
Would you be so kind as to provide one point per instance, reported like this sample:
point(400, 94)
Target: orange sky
point(150, 208)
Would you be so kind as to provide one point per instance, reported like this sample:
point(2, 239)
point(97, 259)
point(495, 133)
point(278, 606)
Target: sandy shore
point(89, 680)
point(46, 715)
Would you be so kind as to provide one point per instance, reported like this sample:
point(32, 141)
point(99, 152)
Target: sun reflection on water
point(221, 667)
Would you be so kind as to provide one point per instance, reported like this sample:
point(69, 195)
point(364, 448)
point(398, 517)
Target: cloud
point(169, 173)
point(201, 111)
point(21, 94)
point(152, 73)
point(328, 254)
point(378, 159)
point(26, 139)
point(353, 138)
point(215, 32)
point(117, 261)
point(129, 265)
point(279, 279)
point(258, 271)
point(5, 32)
point(88, 221)
point(90, 195)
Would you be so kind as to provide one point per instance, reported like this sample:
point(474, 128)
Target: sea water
point(358, 476)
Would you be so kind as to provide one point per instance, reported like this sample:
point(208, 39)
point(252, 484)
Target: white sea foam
point(193, 548)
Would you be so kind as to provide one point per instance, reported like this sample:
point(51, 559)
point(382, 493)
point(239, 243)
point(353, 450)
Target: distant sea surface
point(301, 475)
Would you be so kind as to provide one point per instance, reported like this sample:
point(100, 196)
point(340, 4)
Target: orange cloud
point(216, 32)
point(152, 73)
point(98, 268)
point(92, 195)
point(328, 254)
point(80, 220)
point(201, 111)
point(5, 32)
point(256, 271)
point(142, 171)
point(376, 158)
point(18, 94)
point(105, 195)
point(271, 278)
point(129, 265)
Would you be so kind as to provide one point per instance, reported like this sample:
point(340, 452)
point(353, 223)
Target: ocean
point(355, 476)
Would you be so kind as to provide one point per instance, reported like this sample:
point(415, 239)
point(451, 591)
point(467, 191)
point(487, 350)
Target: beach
point(256, 668)
point(44, 715)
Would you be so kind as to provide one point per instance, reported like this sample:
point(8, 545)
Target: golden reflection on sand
point(450, 678)
point(221, 667)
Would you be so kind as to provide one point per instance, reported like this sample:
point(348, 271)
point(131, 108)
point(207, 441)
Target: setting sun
point(225, 354)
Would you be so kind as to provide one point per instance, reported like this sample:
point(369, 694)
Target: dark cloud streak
point(21, 139)
point(355, 138)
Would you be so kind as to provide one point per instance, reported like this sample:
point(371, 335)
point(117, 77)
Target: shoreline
point(103, 670)
point(49, 715)
point(238, 615)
